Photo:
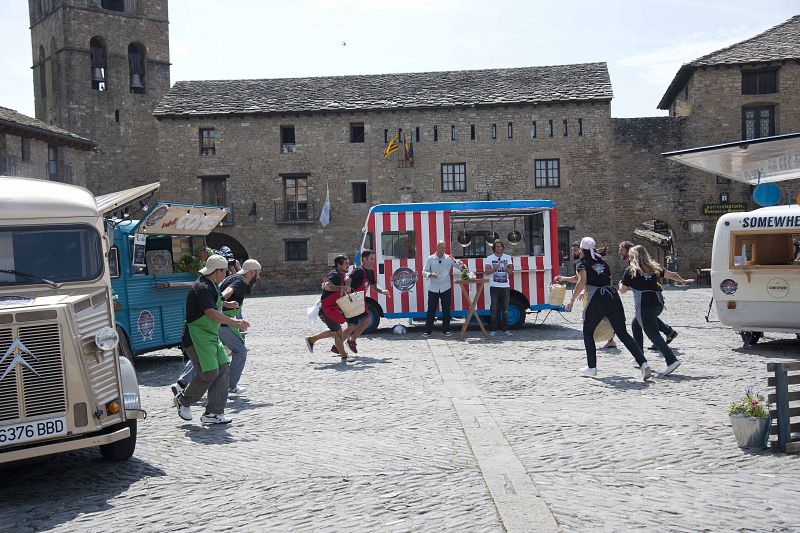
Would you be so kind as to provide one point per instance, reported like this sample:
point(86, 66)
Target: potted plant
point(750, 420)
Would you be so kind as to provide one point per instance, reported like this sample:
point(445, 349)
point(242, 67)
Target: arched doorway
point(658, 237)
point(218, 240)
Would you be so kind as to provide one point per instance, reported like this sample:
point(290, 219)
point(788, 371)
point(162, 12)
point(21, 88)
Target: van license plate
point(30, 431)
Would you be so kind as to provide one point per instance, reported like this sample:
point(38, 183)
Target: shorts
point(332, 324)
point(358, 318)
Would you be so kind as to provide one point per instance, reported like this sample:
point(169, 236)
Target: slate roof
point(25, 126)
point(462, 88)
point(779, 43)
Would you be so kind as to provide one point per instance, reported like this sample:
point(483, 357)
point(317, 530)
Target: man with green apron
point(202, 345)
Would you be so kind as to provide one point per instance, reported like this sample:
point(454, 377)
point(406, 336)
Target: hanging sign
point(139, 243)
point(176, 219)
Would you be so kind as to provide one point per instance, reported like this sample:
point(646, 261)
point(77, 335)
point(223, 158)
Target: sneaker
point(215, 419)
point(177, 389)
point(609, 346)
point(309, 345)
point(507, 333)
point(448, 333)
point(645, 369)
point(426, 333)
point(348, 358)
point(334, 349)
point(587, 372)
point(493, 334)
point(238, 389)
point(183, 411)
point(671, 336)
point(671, 368)
point(352, 344)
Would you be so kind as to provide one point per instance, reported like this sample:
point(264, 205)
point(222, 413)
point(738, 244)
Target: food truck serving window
point(57, 253)
point(163, 254)
point(765, 249)
point(398, 244)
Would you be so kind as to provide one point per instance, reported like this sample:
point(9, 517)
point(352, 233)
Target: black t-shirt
point(335, 277)
point(644, 282)
point(598, 273)
point(201, 296)
point(239, 286)
point(358, 275)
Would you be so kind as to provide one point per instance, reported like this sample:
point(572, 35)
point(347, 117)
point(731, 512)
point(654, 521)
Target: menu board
point(139, 243)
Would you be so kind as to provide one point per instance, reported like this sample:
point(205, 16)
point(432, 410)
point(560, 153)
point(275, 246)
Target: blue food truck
point(153, 262)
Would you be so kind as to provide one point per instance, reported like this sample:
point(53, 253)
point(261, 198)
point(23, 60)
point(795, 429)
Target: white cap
point(587, 243)
point(215, 262)
point(250, 264)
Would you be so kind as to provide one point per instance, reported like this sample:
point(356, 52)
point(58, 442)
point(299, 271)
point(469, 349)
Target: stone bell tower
point(99, 69)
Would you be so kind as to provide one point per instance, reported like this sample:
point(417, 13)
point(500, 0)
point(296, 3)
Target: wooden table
point(479, 283)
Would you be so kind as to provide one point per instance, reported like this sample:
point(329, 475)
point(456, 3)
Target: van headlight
point(106, 338)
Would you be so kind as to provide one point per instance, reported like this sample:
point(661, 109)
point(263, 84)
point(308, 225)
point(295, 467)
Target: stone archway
point(658, 237)
point(218, 240)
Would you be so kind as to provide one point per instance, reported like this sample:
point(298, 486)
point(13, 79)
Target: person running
point(437, 270)
point(359, 279)
point(201, 344)
point(668, 331)
point(642, 277)
point(334, 286)
point(594, 275)
point(498, 267)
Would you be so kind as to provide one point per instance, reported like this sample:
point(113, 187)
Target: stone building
point(99, 69)
point(32, 149)
point(273, 149)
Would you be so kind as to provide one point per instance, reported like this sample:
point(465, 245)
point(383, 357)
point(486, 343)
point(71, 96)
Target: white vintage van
point(754, 272)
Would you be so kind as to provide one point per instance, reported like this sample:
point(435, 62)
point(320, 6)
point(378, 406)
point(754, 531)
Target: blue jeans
point(238, 359)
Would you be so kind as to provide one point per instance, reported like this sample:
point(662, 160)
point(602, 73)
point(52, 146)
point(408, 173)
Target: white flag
point(325, 215)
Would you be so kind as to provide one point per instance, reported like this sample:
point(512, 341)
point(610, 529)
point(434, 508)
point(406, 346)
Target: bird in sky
point(344, 43)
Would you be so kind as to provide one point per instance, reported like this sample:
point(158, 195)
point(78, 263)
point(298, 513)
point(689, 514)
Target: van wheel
point(749, 338)
point(121, 450)
point(516, 313)
point(124, 345)
point(374, 316)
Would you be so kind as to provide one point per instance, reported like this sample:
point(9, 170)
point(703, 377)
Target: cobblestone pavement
point(427, 435)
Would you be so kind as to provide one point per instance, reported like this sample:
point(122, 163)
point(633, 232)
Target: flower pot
point(750, 432)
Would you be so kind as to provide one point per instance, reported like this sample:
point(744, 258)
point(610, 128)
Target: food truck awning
point(763, 160)
point(117, 200)
point(166, 218)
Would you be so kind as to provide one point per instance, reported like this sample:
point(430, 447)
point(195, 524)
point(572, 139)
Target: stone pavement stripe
point(516, 498)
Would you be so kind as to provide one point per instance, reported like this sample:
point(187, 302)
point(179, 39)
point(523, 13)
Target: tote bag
point(352, 304)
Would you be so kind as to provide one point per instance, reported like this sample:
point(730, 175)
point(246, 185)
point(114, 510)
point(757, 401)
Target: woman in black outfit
point(594, 274)
point(642, 277)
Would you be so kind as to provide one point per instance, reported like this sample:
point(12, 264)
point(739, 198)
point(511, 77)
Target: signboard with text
point(721, 209)
point(177, 219)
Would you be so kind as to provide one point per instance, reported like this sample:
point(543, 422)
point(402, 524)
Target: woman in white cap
point(594, 275)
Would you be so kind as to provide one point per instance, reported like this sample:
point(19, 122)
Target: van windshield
point(57, 253)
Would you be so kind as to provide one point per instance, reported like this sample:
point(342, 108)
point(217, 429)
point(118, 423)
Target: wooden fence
point(782, 413)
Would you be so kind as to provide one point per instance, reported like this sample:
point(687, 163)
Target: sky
point(644, 42)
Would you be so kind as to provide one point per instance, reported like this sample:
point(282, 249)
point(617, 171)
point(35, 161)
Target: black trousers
point(650, 324)
point(607, 306)
point(499, 307)
point(433, 302)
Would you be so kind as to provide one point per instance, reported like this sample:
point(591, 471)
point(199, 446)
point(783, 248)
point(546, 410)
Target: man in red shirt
point(359, 279)
point(334, 286)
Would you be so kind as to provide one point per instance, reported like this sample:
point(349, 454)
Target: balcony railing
point(291, 212)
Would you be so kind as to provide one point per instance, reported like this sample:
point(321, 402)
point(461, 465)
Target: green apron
point(234, 313)
point(205, 338)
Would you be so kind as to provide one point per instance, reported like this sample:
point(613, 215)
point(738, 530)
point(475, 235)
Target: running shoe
point(587, 372)
point(671, 368)
point(177, 388)
point(348, 358)
point(309, 345)
point(238, 389)
point(352, 344)
point(646, 372)
point(493, 334)
point(334, 349)
point(671, 336)
point(448, 333)
point(215, 419)
point(184, 412)
point(507, 333)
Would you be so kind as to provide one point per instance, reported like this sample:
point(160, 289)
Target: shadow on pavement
point(89, 481)
point(208, 434)
point(158, 371)
point(237, 404)
point(780, 348)
point(359, 363)
point(624, 382)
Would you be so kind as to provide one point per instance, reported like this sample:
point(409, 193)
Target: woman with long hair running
point(642, 277)
point(594, 275)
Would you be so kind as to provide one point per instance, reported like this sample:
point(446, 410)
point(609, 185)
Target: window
point(510, 130)
point(454, 177)
point(296, 250)
point(53, 173)
point(547, 173)
point(113, 262)
point(758, 122)
point(416, 137)
point(723, 181)
point(766, 249)
point(550, 123)
point(97, 56)
point(564, 245)
point(398, 244)
point(686, 92)
point(295, 198)
point(436, 134)
point(452, 133)
point(760, 82)
point(116, 115)
point(288, 144)
point(213, 189)
point(494, 131)
point(208, 141)
point(472, 132)
point(359, 192)
point(356, 132)
point(42, 74)
point(26, 149)
point(580, 126)
point(477, 246)
point(113, 5)
point(566, 130)
point(533, 130)
point(136, 62)
point(385, 136)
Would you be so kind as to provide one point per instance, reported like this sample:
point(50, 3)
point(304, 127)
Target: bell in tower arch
point(136, 82)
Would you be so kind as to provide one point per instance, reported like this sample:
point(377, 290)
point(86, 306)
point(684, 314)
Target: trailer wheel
point(749, 338)
point(516, 313)
point(124, 345)
point(374, 316)
point(121, 450)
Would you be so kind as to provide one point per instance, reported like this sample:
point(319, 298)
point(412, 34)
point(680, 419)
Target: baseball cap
point(250, 264)
point(215, 262)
